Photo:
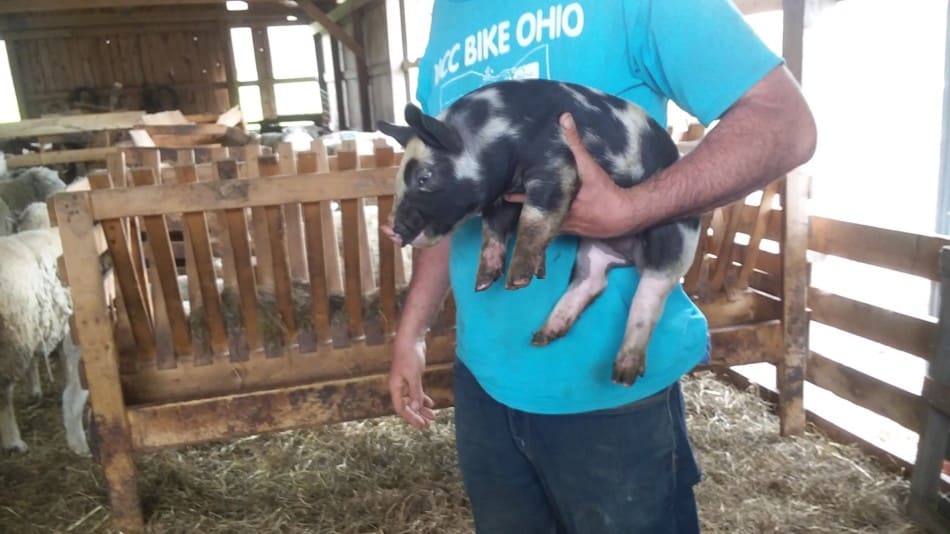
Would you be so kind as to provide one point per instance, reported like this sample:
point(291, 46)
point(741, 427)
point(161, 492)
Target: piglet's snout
point(388, 230)
point(407, 225)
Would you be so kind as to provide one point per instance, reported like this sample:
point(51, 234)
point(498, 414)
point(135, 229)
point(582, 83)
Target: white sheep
point(33, 217)
point(22, 188)
point(7, 219)
point(34, 321)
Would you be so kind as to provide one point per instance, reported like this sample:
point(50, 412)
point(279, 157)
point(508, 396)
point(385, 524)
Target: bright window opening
point(9, 108)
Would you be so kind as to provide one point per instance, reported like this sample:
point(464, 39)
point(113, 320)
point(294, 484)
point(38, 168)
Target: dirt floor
point(381, 476)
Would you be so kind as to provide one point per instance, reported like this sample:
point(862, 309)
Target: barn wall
point(186, 48)
point(192, 60)
point(369, 25)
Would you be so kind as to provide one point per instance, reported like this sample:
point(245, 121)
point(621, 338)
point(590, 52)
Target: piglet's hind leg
point(644, 313)
point(588, 280)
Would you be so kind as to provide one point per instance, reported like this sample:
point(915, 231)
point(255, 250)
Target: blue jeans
point(624, 470)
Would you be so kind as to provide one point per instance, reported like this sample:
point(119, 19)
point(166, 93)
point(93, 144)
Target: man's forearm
point(767, 133)
point(427, 290)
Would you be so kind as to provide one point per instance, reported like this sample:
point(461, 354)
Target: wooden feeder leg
point(791, 370)
point(119, 470)
point(93, 328)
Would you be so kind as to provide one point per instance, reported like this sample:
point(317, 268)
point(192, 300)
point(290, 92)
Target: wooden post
point(100, 357)
point(265, 72)
point(362, 74)
point(791, 371)
point(923, 505)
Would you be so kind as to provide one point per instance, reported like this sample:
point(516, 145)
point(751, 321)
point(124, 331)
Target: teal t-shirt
point(700, 54)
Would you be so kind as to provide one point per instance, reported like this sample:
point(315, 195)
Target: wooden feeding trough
point(272, 331)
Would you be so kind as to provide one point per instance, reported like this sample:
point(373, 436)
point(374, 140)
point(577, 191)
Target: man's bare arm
point(427, 290)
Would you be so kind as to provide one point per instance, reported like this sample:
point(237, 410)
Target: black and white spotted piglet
point(505, 138)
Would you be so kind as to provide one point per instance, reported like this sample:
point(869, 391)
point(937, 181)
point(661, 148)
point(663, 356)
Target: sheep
point(22, 188)
point(33, 217)
point(34, 321)
point(7, 220)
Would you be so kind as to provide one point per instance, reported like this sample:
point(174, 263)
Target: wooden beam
point(222, 195)
point(331, 27)
point(889, 461)
point(60, 156)
point(150, 385)
point(362, 76)
point(740, 345)
point(346, 8)
point(93, 327)
point(265, 71)
point(902, 332)
point(878, 396)
point(70, 124)
point(37, 6)
point(900, 251)
point(205, 420)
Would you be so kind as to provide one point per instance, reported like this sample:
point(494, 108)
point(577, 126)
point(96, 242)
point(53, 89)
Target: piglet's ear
point(432, 131)
point(402, 134)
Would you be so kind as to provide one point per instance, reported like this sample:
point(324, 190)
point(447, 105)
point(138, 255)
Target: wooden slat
point(164, 344)
point(691, 279)
point(118, 174)
point(347, 159)
point(902, 332)
point(316, 265)
point(901, 251)
point(739, 345)
point(279, 256)
point(247, 290)
point(740, 309)
point(292, 218)
point(154, 386)
point(387, 269)
point(351, 257)
point(385, 156)
point(128, 280)
point(755, 238)
point(199, 243)
point(331, 246)
point(287, 408)
point(727, 243)
point(93, 328)
point(264, 264)
point(882, 398)
point(161, 249)
point(245, 193)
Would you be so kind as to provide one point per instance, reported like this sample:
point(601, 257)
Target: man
point(546, 442)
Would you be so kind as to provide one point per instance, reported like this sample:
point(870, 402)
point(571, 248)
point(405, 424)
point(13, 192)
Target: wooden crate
point(157, 380)
point(163, 374)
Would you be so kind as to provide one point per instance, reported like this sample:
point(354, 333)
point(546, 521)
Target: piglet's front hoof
point(484, 280)
point(520, 273)
point(628, 368)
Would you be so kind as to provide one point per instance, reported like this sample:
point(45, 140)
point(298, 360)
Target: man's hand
point(598, 201)
point(405, 384)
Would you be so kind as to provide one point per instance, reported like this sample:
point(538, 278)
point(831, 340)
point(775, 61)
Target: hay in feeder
point(382, 476)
